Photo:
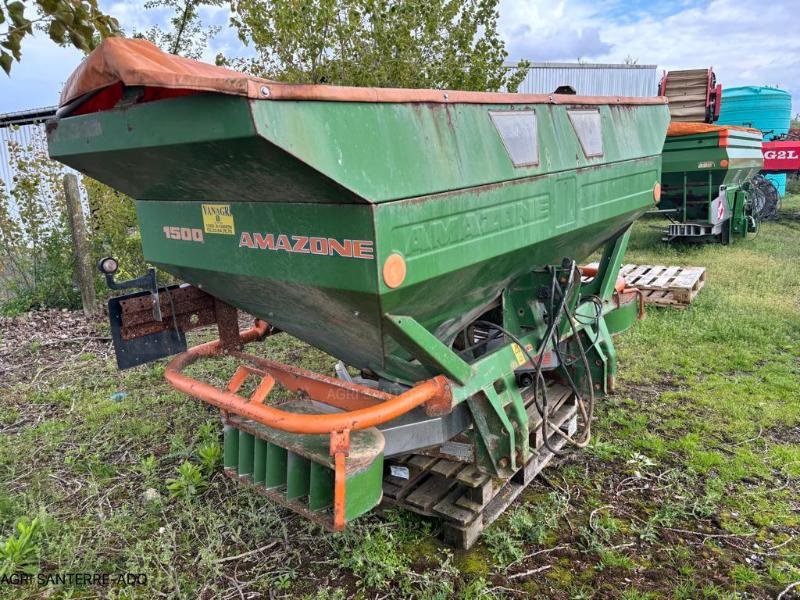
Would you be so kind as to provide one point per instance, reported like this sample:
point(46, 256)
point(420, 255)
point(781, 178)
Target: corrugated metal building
point(592, 79)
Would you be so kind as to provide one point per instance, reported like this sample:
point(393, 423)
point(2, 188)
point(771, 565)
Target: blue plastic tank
point(766, 108)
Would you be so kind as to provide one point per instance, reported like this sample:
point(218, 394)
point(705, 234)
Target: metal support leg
point(608, 269)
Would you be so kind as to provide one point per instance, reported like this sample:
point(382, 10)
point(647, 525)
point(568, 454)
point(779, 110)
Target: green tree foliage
point(186, 35)
point(450, 44)
point(114, 228)
point(35, 243)
point(78, 23)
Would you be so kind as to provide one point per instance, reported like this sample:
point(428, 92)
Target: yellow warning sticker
point(217, 218)
point(518, 353)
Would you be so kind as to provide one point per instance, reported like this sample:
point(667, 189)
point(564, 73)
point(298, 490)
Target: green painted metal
point(320, 493)
point(695, 169)
point(621, 319)
point(364, 489)
point(423, 345)
point(276, 466)
point(299, 471)
point(608, 267)
point(433, 183)
point(289, 211)
point(259, 461)
point(246, 454)
point(231, 447)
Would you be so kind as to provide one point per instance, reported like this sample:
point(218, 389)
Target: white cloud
point(745, 42)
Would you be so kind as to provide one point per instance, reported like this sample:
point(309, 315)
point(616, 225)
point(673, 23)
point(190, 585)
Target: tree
point(34, 234)
point(386, 43)
point(78, 23)
point(187, 35)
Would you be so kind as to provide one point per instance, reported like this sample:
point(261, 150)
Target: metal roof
point(27, 117)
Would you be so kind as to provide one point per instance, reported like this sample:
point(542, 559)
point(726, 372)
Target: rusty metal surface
point(192, 308)
point(227, 318)
point(328, 390)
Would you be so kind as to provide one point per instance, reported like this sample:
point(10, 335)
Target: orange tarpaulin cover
point(678, 128)
point(134, 62)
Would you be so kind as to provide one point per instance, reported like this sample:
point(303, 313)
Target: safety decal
point(217, 218)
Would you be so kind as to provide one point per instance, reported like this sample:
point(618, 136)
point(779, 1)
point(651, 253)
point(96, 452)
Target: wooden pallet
point(464, 499)
point(664, 286)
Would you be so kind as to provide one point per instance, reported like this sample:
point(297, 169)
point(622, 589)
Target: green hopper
point(427, 239)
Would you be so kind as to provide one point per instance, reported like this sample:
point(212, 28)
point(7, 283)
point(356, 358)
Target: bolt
point(597, 386)
point(598, 362)
point(504, 462)
point(264, 91)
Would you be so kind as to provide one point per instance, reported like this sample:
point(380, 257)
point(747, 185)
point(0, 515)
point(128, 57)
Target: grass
point(688, 490)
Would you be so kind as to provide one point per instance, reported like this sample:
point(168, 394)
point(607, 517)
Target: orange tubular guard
point(434, 392)
point(589, 271)
point(364, 406)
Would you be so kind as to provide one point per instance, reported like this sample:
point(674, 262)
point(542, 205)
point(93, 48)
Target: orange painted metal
point(322, 388)
point(394, 271)
point(680, 128)
point(372, 407)
point(435, 391)
point(590, 271)
point(640, 296)
point(340, 448)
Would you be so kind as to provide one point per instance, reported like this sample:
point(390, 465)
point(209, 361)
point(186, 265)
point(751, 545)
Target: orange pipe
point(427, 391)
point(592, 272)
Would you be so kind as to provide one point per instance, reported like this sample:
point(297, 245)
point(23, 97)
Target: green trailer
point(428, 239)
point(706, 181)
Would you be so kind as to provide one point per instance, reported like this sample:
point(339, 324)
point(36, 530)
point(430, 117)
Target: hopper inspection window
point(589, 130)
point(518, 130)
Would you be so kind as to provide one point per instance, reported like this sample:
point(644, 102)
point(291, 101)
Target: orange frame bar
point(364, 406)
point(435, 392)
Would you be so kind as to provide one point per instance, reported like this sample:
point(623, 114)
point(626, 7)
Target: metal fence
point(592, 79)
point(23, 128)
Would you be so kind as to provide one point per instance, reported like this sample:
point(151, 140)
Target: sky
point(748, 42)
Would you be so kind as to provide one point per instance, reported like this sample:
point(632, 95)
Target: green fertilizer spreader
point(427, 239)
point(706, 177)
